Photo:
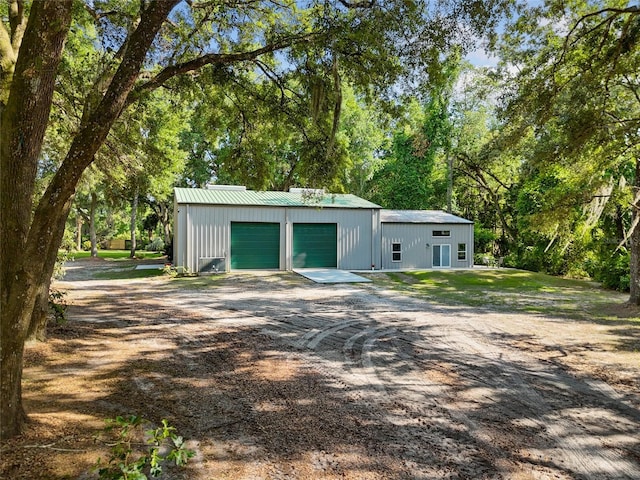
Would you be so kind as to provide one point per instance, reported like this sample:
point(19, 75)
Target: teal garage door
point(315, 245)
point(255, 245)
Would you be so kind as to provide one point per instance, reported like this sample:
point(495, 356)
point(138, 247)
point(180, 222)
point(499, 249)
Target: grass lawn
point(518, 290)
point(116, 254)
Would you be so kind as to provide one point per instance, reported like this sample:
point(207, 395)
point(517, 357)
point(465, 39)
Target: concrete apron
point(330, 275)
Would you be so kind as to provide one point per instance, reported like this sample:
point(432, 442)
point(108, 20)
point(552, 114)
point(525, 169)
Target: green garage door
point(255, 245)
point(315, 245)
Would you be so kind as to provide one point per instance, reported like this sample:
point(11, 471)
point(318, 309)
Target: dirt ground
point(269, 376)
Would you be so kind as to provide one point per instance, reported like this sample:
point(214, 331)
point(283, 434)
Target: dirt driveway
point(270, 376)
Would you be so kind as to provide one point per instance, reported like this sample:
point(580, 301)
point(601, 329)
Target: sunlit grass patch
point(517, 290)
point(116, 254)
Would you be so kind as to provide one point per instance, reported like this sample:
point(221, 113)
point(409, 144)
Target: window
point(396, 252)
point(462, 251)
point(441, 256)
point(441, 233)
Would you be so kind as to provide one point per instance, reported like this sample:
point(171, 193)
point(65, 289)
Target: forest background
point(108, 105)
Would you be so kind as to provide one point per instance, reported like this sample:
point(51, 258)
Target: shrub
point(58, 305)
point(156, 245)
point(612, 270)
point(484, 259)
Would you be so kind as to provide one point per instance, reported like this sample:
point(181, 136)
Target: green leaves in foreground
point(125, 463)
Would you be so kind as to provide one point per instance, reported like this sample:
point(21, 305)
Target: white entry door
point(441, 256)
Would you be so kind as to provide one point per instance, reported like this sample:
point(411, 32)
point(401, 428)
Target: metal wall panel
point(205, 231)
point(210, 229)
point(417, 242)
point(354, 233)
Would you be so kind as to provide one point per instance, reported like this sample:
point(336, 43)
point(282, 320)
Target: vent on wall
point(212, 265)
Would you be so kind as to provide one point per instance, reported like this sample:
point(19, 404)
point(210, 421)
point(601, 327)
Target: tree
point(577, 88)
point(414, 174)
point(143, 51)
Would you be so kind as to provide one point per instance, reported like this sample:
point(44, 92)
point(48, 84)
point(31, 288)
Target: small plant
point(156, 245)
point(174, 272)
point(170, 270)
point(124, 464)
point(58, 305)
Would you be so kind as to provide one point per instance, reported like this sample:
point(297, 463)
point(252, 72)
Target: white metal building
point(425, 239)
point(231, 228)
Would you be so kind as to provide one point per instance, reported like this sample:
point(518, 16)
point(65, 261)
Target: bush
point(58, 305)
point(156, 245)
point(86, 245)
point(612, 270)
point(484, 259)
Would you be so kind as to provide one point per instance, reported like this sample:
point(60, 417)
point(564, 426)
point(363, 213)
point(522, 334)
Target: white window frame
point(448, 235)
point(463, 251)
point(394, 252)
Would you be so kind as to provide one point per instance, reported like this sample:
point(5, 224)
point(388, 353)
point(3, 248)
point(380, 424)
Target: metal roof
point(269, 199)
point(420, 216)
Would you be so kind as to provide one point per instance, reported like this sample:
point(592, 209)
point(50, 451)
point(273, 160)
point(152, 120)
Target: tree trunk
point(92, 225)
point(29, 239)
point(449, 182)
point(40, 315)
point(165, 220)
point(634, 242)
point(78, 229)
point(132, 224)
point(24, 120)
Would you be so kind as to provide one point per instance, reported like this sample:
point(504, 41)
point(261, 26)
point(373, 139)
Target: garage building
point(224, 228)
point(232, 228)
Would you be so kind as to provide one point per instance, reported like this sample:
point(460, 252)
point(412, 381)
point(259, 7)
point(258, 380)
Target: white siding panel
point(354, 233)
point(417, 242)
point(210, 229)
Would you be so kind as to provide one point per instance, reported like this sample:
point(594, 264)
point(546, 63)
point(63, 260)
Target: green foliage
point(126, 462)
point(483, 239)
point(58, 305)
point(61, 259)
point(611, 270)
point(156, 245)
point(575, 94)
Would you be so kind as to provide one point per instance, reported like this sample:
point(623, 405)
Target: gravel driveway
point(271, 376)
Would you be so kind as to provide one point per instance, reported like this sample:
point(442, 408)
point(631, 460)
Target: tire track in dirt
point(536, 389)
point(455, 398)
point(528, 392)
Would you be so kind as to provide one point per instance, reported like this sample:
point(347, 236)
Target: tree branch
point(633, 10)
point(363, 4)
point(17, 22)
point(213, 59)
